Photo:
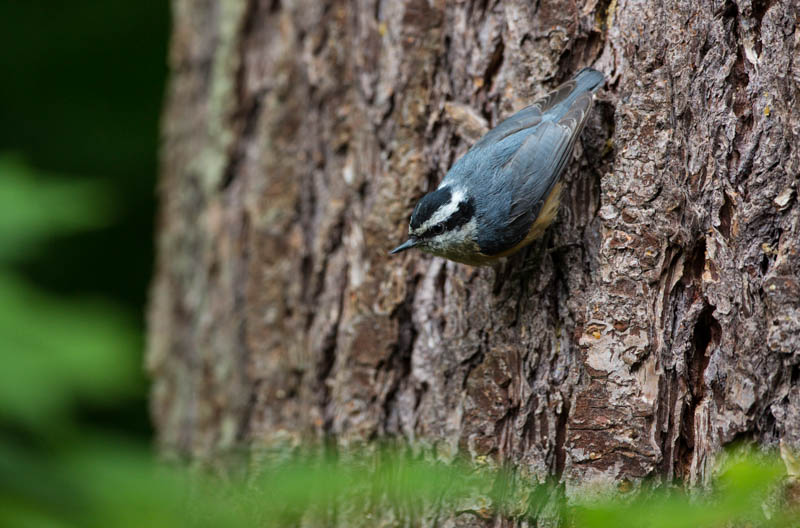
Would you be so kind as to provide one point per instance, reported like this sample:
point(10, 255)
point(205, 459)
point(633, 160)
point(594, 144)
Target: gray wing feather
point(554, 102)
point(556, 97)
point(536, 166)
point(550, 107)
point(526, 118)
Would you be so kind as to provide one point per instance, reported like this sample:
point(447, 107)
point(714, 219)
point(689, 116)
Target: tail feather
point(558, 102)
point(588, 79)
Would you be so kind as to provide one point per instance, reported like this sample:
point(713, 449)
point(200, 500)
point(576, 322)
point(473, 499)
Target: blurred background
point(80, 99)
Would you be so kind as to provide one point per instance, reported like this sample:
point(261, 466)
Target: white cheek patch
point(459, 241)
point(444, 212)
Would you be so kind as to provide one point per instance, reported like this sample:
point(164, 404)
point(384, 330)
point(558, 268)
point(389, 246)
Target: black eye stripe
point(461, 216)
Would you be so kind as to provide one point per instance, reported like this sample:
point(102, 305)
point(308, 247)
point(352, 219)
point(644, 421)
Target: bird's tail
point(588, 79)
point(558, 102)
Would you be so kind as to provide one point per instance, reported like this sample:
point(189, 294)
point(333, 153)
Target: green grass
point(108, 483)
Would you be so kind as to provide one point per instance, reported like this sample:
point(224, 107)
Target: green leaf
point(56, 351)
point(35, 206)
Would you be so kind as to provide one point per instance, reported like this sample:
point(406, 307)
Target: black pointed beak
point(408, 244)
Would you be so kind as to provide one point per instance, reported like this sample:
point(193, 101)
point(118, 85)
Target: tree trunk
point(659, 323)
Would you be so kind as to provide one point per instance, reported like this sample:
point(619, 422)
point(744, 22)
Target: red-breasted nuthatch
point(502, 194)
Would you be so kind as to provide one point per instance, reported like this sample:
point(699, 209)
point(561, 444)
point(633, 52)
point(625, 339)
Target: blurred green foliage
point(33, 209)
point(81, 97)
point(53, 349)
point(79, 106)
point(80, 102)
point(57, 354)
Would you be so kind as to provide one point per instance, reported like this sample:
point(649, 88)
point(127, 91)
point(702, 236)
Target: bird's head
point(443, 223)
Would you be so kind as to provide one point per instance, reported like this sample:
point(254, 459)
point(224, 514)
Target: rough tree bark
point(663, 324)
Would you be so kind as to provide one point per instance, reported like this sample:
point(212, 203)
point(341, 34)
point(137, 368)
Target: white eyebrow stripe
point(444, 212)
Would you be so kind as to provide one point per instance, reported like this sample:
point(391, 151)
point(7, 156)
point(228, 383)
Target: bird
point(504, 192)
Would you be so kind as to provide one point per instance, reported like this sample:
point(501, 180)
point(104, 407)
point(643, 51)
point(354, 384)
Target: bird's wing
point(529, 116)
point(526, 118)
point(554, 105)
point(530, 174)
point(556, 97)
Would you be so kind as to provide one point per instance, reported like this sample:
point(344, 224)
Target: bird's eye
point(438, 229)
